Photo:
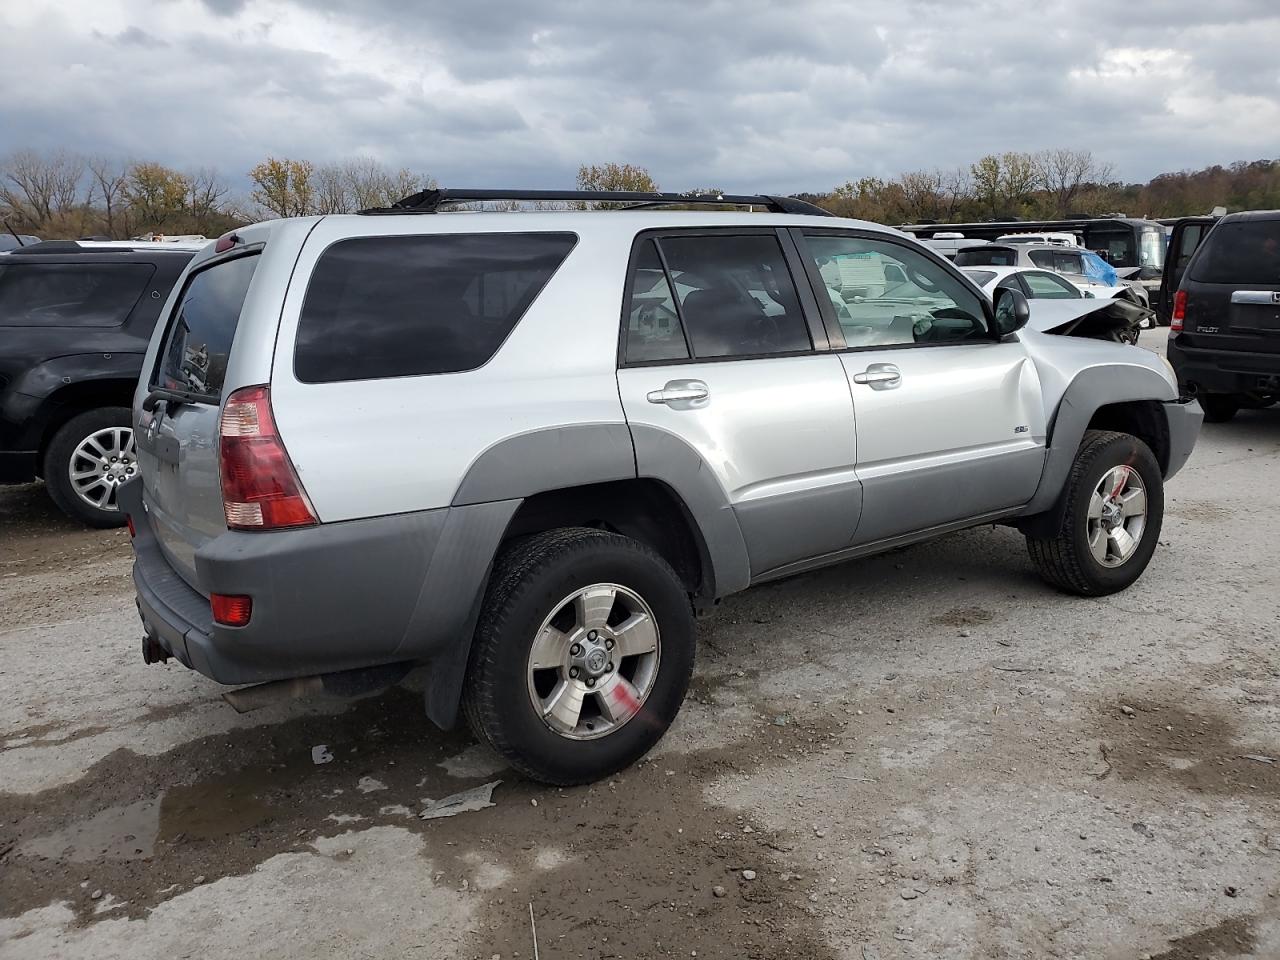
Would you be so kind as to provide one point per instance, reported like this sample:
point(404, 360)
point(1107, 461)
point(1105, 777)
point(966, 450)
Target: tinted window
point(409, 306)
point(653, 321)
point(1068, 263)
point(875, 308)
point(1045, 286)
point(70, 295)
point(980, 277)
point(204, 323)
point(987, 257)
point(1042, 258)
point(736, 296)
point(1243, 252)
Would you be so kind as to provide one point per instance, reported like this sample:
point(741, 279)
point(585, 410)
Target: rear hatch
point(1233, 288)
point(178, 438)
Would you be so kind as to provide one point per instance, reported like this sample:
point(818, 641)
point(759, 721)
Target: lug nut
point(592, 635)
point(608, 644)
point(573, 672)
point(609, 668)
point(591, 681)
point(575, 650)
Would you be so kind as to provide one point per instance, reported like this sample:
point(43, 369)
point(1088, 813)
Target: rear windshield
point(194, 359)
point(1243, 252)
point(987, 257)
point(407, 306)
point(70, 295)
point(981, 277)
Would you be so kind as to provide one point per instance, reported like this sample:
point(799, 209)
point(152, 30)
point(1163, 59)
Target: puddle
point(117, 833)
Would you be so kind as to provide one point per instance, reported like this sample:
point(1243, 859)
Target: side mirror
point(1012, 311)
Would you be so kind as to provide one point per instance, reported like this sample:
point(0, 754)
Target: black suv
point(74, 324)
point(1224, 340)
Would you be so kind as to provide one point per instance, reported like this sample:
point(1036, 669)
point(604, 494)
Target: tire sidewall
point(1134, 453)
point(57, 459)
point(522, 729)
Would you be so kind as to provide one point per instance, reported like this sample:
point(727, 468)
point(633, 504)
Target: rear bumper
point(338, 596)
point(17, 466)
point(1185, 418)
point(1224, 371)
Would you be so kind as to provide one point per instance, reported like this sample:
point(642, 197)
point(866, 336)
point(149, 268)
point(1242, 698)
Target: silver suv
point(525, 448)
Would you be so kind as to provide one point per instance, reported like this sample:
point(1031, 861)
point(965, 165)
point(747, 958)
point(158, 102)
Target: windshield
point(980, 277)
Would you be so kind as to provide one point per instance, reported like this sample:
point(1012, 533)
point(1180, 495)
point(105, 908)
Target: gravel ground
point(925, 754)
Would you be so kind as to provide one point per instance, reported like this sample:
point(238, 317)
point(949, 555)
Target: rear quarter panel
point(374, 447)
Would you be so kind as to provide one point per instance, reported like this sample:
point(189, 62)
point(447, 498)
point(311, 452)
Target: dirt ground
point(920, 755)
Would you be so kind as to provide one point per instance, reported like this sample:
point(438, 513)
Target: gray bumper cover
point(336, 596)
point(1185, 418)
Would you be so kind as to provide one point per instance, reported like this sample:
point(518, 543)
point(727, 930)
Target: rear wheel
point(1219, 407)
point(87, 460)
point(1114, 510)
point(582, 655)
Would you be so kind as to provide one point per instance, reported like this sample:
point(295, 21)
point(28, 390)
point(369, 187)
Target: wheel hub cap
point(100, 463)
point(1117, 516)
point(593, 661)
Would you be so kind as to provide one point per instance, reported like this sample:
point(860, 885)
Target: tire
point(534, 581)
point(1069, 560)
point(1218, 407)
point(66, 452)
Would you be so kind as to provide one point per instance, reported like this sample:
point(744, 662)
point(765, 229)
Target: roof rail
point(431, 201)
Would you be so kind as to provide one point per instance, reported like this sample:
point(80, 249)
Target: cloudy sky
point(744, 95)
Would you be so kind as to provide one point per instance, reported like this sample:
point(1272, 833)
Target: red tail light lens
point(225, 242)
point(260, 490)
point(1179, 311)
point(231, 610)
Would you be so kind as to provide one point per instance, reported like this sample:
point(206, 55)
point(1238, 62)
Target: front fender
point(1090, 390)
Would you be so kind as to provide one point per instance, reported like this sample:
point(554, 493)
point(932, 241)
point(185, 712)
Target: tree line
point(63, 194)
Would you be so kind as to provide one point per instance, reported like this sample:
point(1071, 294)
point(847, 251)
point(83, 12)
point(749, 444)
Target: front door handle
point(880, 376)
point(679, 391)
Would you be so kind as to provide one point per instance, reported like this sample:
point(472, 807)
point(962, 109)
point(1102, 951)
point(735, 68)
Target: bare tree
point(206, 197)
point(40, 188)
point(108, 179)
point(1064, 173)
point(332, 195)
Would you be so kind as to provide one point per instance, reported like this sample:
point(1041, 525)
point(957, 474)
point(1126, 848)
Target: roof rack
point(104, 246)
point(431, 201)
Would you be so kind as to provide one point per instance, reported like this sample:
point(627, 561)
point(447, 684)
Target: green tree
point(285, 188)
point(616, 176)
point(156, 196)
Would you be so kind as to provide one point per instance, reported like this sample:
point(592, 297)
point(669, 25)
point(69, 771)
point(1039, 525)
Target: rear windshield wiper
point(152, 399)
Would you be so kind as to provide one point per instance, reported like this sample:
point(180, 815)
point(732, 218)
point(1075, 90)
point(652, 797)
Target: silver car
point(525, 448)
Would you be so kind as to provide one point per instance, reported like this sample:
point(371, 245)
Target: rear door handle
point(880, 376)
point(679, 391)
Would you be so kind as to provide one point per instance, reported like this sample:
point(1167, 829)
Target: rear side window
point(381, 307)
point(70, 295)
point(987, 257)
point(1243, 252)
point(654, 331)
point(194, 358)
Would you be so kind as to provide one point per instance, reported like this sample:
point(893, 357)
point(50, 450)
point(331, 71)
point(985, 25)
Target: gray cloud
point(745, 95)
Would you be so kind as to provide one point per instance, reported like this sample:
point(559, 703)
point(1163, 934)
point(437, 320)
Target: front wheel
point(582, 655)
point(1114, 510)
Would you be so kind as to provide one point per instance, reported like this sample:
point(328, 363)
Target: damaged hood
point(1105, 319)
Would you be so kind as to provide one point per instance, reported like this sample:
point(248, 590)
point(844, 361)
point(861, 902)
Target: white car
point(1039, 286)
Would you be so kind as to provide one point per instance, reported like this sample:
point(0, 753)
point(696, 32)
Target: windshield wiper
point(152, 399)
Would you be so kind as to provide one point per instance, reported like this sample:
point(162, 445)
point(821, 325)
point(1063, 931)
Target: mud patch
point(1233, 937)
point(1199, 510)
point(627, 867)
point(963, 617)
point(1199, 750)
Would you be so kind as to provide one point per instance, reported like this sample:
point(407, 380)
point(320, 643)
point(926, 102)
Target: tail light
point(1179, 311)
point(231, 610)
point(260, 489)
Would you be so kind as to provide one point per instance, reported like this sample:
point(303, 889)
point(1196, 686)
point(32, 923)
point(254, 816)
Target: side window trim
point(834, 331)
point(657, 234)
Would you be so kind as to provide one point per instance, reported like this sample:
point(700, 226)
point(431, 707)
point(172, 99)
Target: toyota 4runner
point(524, 449)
